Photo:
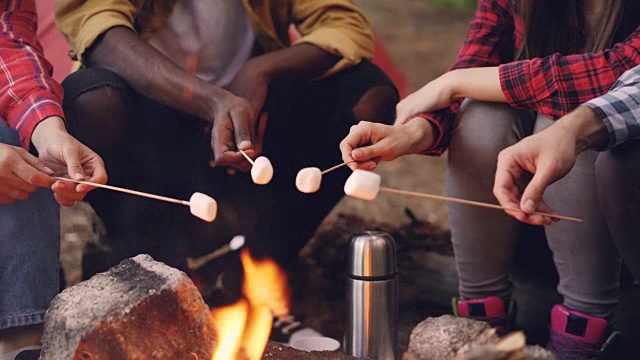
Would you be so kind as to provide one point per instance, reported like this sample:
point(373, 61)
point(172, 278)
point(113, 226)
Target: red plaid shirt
point(28, 95)
point(552, 86)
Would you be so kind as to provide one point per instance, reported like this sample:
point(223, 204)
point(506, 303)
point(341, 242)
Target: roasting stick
point(236, 243)
point(336, 167)
point(132, 192)
point(201, 205)
point(470, 202)
point(250, 160)
point(365, 185)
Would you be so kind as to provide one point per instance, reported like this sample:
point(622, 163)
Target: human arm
point(337, 27)
point(601, 124)
point(153, 74)
point(299, 62)
point(102, 33)
point(30, 104)
point(482, 83)
point(28, 95)
point(555, 85)
point(489, 43)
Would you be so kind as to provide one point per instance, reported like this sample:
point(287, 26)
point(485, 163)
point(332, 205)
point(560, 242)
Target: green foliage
point(458, 4)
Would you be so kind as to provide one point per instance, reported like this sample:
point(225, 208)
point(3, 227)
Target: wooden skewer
point(132, 192)
point(235, 243)
point(470, 202)
point(336, 167)
point(246, 156)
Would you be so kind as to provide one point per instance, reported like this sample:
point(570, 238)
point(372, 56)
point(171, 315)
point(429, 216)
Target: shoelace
point(570, 348)
point(290, 320)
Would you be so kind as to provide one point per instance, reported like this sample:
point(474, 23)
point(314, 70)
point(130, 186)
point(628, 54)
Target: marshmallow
point(203, 206)
point(363, 185)
point(308, 180)
point(262, 171)
point(236, 243)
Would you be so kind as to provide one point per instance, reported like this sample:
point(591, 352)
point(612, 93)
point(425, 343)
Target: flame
point(244, 327)
point(230, 322)
point(265, 284)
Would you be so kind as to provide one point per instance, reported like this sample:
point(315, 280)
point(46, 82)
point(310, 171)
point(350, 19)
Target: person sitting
point(168, 92)
point(523, 64)
point(32, 123)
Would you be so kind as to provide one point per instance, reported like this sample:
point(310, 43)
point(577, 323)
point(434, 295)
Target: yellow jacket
point(336, 26)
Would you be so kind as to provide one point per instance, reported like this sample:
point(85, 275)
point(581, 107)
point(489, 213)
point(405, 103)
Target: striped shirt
point(28, 94)
point(620, 108)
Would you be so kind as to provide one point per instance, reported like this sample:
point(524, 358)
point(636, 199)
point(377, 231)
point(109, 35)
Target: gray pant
point(29, 253)
point(484, 240)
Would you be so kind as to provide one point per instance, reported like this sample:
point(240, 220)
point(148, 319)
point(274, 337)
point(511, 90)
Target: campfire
point(244, 327)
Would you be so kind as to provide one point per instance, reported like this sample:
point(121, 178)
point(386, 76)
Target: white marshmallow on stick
point(308, 180)
point(363, 185)
point(201, 205)
point(261, 169)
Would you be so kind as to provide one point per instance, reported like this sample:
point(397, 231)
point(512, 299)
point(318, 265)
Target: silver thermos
point(372, 297)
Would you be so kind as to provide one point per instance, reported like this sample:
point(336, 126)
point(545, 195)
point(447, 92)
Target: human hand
point(21, 174)
point(233, 128)
point(548, 155)
point(252, 84)
point(369, 143)
point(67, 157)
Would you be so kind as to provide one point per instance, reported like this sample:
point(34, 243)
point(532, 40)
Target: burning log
point(139, 309)
point(449, 337)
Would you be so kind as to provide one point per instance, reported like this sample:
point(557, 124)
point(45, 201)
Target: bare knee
point(377, 105)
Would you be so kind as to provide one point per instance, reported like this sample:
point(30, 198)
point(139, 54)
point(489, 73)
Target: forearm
point(27, 92)
point(482, 84)
point(585, 128)
point(152, 74)
point(299, 62)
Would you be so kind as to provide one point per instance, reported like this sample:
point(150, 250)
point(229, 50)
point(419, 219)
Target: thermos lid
point(372, 254)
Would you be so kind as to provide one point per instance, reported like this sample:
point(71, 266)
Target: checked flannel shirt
point(28, 94)
point(552, 86)
point(619, 109)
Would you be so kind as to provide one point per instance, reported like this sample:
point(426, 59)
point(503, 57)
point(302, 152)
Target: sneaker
point(577, 336)
point(491, 310)
point(26, 353)
point(288, 330)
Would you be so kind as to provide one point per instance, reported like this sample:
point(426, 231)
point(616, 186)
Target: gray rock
point(139, 309)
point(441, 337)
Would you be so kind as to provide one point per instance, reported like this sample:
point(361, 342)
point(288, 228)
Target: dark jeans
point(151, 147)
point(29, 253)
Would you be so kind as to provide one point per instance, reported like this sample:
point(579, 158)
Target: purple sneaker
point(577, 336)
